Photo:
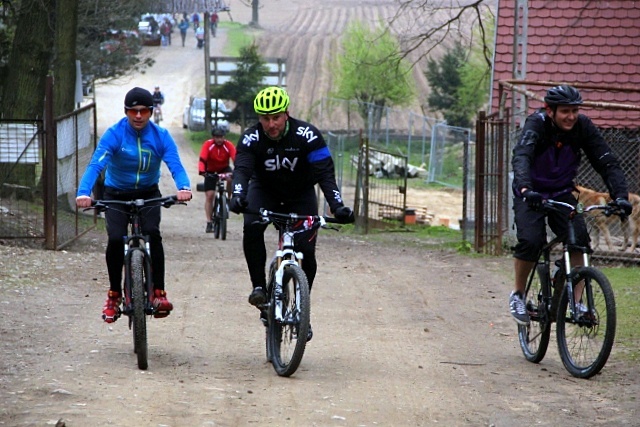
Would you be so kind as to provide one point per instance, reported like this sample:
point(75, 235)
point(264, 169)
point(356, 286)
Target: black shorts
point(211, 181)
point(531, 227)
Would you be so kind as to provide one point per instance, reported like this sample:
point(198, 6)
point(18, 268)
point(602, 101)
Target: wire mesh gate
point(381, 188)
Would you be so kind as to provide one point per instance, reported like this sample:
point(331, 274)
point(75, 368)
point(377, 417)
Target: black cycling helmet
point(218, 131)
point(563, 95)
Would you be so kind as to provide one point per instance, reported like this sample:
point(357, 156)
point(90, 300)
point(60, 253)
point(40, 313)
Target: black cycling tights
point(115, 260)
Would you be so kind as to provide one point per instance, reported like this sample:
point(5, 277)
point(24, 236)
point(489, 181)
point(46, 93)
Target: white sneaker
point(581, 308)
point(518, 308)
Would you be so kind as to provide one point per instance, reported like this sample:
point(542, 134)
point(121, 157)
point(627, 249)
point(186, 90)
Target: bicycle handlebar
point(165, 201)
point(609, 209)
point(268, 216)
point(222, 176)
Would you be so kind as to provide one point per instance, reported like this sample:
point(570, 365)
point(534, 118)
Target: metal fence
point(21, 170)
point(41, 163)
point(384, 127)
point(76, 140)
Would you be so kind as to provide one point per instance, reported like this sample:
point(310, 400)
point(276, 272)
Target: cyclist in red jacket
point(215, 157)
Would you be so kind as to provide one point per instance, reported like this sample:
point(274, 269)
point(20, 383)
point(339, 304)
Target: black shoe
point(258, 296)
point(309, 333)
point(209, 227)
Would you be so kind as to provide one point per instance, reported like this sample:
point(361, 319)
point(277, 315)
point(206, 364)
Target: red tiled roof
point(581, 42)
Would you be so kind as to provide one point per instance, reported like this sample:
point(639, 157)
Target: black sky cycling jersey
point(297, 161)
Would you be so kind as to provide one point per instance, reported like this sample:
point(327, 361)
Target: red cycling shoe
point(111, 309)
point(161, 305)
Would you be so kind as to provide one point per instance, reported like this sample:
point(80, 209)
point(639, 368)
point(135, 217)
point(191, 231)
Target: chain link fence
point(21, 189)
point(39, 175)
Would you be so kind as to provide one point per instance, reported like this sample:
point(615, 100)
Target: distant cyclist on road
point(280, 159)
point(215, 157)
point(158, 100)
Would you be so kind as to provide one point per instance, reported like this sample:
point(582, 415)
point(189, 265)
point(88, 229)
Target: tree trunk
point(64, 65)
point(255, 4)
point(29, 61)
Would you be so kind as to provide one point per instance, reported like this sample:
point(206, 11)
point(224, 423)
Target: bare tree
point(441, 22)
point(254, 5)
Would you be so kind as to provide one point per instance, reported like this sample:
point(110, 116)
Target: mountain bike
point(578, 299)
point(138, 287)
point(287, 313)
point(157, 114)
point(220, 213)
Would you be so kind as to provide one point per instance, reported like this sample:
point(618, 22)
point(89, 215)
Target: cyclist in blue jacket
point(278, 162)
point(132, 151)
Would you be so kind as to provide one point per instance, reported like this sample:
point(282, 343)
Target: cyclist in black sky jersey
point(279, 161)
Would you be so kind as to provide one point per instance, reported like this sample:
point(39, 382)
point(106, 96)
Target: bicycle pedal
point(161, 314)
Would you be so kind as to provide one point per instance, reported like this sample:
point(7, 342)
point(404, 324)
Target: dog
point(601, 223)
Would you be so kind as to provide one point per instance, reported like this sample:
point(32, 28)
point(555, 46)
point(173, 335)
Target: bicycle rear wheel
point(585, 344)
point(534, 337)
point(223, 215)
point(288, 337)
point(138, 302)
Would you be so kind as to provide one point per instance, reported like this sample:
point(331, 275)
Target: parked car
point(193, 116)
point(149, 30)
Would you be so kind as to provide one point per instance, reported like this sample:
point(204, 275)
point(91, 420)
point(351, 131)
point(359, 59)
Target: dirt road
point(404, 336)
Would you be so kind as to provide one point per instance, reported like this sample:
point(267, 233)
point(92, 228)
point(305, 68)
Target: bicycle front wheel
point(534, 337)
point(139, 301)
point(585, 340)
point(216, 217)
point(271, 280)
point(223, 215)
point(288, 336)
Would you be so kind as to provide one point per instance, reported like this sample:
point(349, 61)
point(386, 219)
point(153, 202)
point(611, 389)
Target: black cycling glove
point(344, 215)
point(625, 205)
point(533, 199)
point(238, 203)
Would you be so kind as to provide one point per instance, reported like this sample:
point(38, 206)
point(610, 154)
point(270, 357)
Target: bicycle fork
point(571, 286)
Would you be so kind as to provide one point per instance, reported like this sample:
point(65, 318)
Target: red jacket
point(215, 158)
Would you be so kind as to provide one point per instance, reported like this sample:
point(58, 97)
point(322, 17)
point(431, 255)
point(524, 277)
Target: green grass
point(238, 36)
point(627, 291)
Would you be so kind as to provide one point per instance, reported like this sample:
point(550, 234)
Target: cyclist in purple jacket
point(545, 162)
point(278, 162)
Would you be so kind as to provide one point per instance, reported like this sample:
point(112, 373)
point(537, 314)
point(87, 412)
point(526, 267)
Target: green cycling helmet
point(271, 100)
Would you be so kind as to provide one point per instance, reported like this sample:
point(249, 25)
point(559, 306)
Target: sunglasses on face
point(133, 112)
